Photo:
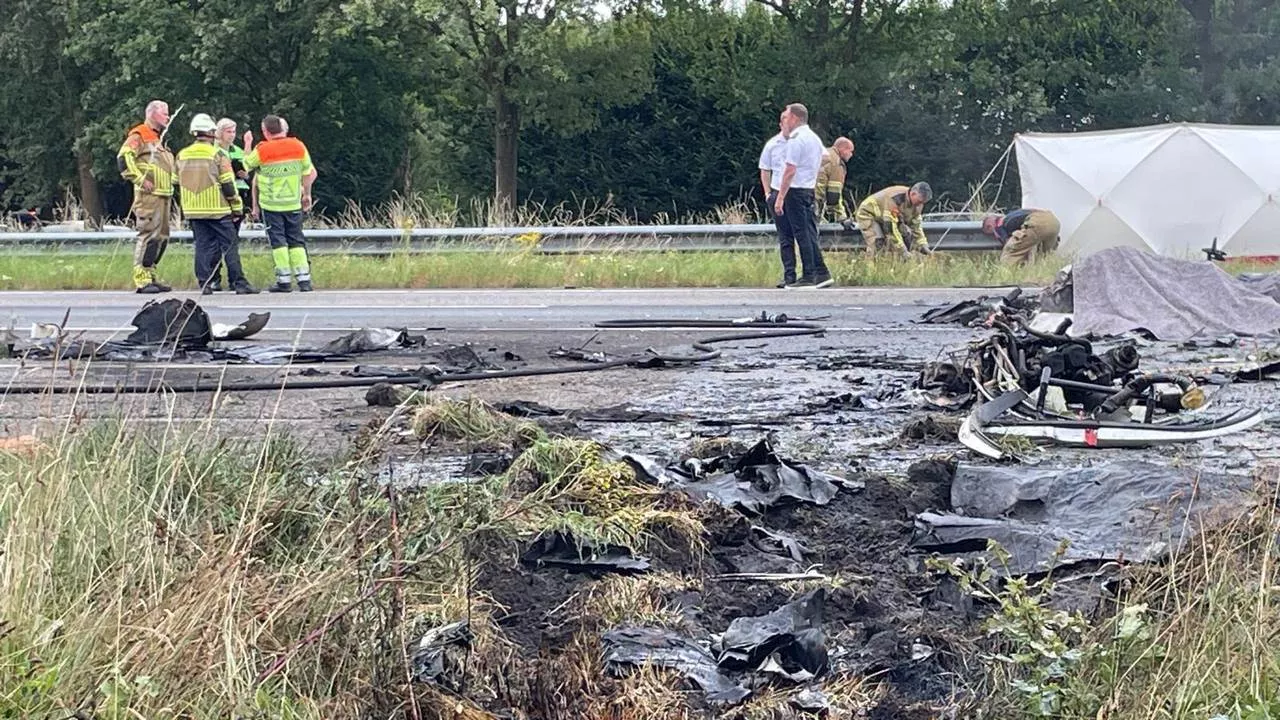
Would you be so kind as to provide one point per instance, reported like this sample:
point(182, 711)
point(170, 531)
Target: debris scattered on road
point(616, 413)
point(1038, 387)
point(178, 323)
point(973, 312)
point(372, 340)
point(246, 329)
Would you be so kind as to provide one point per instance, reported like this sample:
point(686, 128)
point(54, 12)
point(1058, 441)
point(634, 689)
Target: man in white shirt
point(772, 163)
point(795, 198)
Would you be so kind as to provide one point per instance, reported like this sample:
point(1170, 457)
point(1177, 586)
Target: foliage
point(653, 106)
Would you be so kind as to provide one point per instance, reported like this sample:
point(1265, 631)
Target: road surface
point(103, 314)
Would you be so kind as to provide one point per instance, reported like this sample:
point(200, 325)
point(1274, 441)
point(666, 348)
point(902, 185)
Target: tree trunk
point(506, 144)
point(1211, 61)
point(90, 193)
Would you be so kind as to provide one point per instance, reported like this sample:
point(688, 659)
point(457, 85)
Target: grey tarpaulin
point(640, 646)
point(1123, 289)
point(1126, 510)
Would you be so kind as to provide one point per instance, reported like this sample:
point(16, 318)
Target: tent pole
point(1004, 158)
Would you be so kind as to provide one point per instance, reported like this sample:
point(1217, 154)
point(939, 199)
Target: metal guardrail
point(959, 236)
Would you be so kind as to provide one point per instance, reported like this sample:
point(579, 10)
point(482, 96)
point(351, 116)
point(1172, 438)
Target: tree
point(550, 61)
point(41, 100)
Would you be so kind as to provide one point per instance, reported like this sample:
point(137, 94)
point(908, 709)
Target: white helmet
point(202, 124)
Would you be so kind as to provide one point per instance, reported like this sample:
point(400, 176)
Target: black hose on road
point(766, 330)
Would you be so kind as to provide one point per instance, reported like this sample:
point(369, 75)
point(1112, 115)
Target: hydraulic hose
point(1051, 338)
point(650, 359)
point(1139, 385)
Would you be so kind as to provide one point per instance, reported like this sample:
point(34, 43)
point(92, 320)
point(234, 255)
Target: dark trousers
point(217, 243)
point(798, 209)
point(786, 239)
point(284, 229)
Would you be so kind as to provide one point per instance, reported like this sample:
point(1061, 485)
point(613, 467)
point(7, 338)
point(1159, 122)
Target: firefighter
point(831, 176)
point(146, 163)
point(1024, 233)
point(890, 219)
point(282, 190)
point(211, 203)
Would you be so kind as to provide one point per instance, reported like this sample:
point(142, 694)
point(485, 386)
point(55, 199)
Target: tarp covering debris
point(1126, 510)
point(1122, 289)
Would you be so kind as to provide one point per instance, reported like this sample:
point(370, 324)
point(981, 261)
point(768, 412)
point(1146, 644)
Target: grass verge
point(111, 270)
point(1192, 638)
point(149, 572)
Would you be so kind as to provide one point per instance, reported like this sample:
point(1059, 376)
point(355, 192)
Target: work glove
point(849, 224)
point(833, 198)
point(905, 255)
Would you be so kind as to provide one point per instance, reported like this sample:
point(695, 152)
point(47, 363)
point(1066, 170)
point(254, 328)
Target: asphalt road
point(104, 314)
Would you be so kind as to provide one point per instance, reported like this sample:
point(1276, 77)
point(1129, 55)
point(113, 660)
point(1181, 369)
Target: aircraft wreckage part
point(762, 329)
point(1091, 434)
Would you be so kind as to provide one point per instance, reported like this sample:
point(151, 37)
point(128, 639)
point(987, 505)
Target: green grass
point(511, 267)
point(111, 270)
point(151, 572)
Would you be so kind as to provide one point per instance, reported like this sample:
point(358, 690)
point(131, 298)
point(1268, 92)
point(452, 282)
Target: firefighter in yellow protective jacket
point(891, 219)
point(212, 205)
point(831, 177)
point(146, 163)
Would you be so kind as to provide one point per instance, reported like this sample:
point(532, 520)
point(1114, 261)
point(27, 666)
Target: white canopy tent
point(1166, 189)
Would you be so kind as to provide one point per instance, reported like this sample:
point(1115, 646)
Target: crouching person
point(210, 202)
point(1025, 234)
point(891, 220)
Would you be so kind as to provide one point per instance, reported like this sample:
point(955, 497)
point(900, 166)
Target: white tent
point(1166, 189)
